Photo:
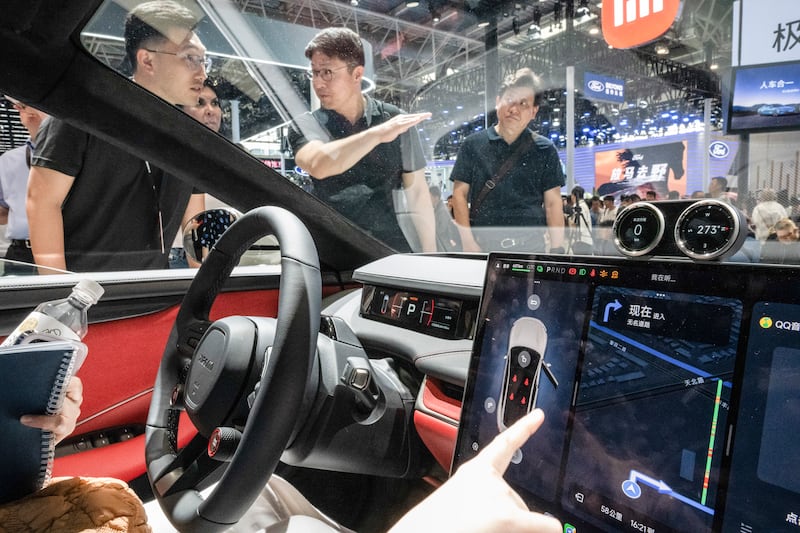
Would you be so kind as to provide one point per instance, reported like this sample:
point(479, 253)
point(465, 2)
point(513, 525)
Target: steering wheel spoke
point(190, 468)
point(189, 338)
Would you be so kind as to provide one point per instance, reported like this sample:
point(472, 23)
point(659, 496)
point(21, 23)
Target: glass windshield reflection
point(652, 122)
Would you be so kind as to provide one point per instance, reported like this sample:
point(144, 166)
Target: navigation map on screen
point(652, 353)
point(670, 391)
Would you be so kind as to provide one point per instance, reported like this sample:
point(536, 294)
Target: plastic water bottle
point(63, 319)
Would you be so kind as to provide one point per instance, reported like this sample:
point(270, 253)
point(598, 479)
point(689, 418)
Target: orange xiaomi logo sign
point(629, 23)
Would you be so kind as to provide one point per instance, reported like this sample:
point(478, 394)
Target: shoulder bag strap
point(492, 182)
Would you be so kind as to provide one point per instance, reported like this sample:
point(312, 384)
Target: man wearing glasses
point(361, 151)
point(91, 205)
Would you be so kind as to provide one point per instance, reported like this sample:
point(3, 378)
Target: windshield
point(451, 126)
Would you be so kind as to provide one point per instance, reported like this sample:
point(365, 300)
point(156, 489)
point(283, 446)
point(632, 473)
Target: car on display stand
point(354, 377)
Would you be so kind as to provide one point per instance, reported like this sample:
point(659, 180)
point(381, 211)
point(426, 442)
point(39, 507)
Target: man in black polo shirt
point(360, 151)
point(507, 179)
point(91, 205)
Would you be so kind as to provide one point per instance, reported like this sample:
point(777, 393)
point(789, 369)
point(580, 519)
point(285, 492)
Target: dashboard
point(438, 316)
point(437, 343)
point(669, 380)
point(436, 337)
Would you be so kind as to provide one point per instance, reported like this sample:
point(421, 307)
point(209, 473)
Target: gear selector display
point(431, 314)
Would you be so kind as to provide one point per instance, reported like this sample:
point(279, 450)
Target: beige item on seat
point(101, 505)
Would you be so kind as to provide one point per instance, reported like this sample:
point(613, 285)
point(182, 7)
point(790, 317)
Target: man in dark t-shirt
point(120, 211)
point(525, 172)
point(91, 205)
point(361, 151)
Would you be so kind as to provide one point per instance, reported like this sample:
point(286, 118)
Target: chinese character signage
point(597, 87)
point(765, 97)
point(636, 170)
point(769, 33)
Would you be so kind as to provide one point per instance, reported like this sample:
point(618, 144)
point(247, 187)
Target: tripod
point(575, 243)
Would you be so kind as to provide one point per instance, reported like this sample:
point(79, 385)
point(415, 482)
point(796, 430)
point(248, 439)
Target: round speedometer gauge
point(638, 229)
point(710, 229)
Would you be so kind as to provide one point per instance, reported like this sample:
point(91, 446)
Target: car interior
point(306, 355)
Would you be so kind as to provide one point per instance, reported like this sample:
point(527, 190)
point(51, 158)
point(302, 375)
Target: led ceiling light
point(662, 49)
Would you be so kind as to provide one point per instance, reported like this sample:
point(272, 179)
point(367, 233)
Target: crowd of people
point(143, 207)
point(772, 221)
point(364, 157)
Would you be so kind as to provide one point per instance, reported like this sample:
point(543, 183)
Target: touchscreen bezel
point(748, 284)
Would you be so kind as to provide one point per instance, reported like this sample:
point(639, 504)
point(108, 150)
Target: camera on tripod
point(579, 236)
point(572, 205)
point(577, 211)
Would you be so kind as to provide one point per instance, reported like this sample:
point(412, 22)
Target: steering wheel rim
point(173, 473)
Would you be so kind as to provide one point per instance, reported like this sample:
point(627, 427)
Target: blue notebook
point(33, 380)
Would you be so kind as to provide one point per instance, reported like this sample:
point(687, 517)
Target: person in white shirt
point(767, 213)
point(14, 169)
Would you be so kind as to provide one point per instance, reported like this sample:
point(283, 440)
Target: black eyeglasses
point(192, 61)
point(326, 73)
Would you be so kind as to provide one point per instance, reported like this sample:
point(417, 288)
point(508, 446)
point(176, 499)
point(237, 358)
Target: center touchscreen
point(671, 391)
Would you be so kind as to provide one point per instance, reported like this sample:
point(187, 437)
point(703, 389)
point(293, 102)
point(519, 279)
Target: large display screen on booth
point(764, 98)
point(670, 391)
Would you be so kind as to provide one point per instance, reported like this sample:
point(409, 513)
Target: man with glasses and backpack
point(507, 179)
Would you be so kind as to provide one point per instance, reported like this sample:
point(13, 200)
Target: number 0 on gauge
point(638, 229)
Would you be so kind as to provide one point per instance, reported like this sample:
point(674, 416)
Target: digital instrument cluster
point(438, 316)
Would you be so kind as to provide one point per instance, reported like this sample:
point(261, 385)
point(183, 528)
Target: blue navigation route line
point(631, 488)
point(656, 353)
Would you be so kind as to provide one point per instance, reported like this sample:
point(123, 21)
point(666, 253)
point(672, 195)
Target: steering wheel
point(248, 375)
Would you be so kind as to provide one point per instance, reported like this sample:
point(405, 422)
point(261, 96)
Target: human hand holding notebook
point(36, 379)
point(61, 424)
